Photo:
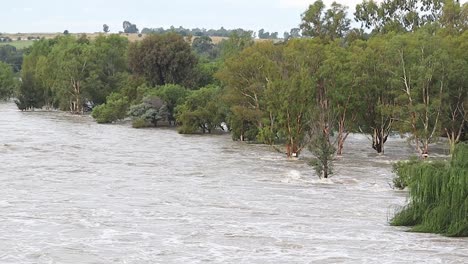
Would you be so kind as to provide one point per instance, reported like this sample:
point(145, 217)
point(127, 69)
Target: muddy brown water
point(73, 191)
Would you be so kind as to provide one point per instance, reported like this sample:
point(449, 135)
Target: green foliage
point(114, 109)
point(205, 47)
point(201, 111)
point(7, 81)
point(173, 95)
point(11, 55)
point(439, 195)
point(326, 24)
point(398, 16)
point(152, 110)
point(68, 73)
point(162, 59)
point(140, 123)
point(30, 94)
point(235, 44)
point(323, 151)
point(405, 169)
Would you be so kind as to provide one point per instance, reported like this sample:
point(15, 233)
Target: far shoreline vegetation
point(404, 71)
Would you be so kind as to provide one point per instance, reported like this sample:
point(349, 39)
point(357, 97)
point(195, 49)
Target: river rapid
point(73, 191)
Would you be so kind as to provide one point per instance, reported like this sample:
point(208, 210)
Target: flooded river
point(73, 191)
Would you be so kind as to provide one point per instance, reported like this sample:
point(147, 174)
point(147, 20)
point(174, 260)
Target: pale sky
point(89, 15)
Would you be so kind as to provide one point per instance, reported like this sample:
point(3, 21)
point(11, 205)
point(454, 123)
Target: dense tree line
point(323, 82)
point(197, 32)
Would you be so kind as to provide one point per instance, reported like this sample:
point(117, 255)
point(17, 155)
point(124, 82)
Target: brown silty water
point(73, 191)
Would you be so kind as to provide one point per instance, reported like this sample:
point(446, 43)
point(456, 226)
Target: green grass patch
point(438, 195)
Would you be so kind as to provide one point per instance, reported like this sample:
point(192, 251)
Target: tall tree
point(107, 67)
point(105, 28)
point(245, 79)
point(326, 24)
point(129, 27)
point(291, 92)
point(398, 16)
point(420, 72)
point(73, 62)
point(455, 106)
point(371, 66)
point(162, 59)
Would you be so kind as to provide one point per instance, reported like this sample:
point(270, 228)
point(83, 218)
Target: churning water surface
point(73, 191)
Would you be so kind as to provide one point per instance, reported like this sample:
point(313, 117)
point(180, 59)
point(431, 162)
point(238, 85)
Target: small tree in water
point(323, 150)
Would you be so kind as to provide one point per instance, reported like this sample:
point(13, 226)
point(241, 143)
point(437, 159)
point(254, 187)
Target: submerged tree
point(376, 105)
point(323, 151)
point(152, 110)
point(420, 74)
point(201, 111)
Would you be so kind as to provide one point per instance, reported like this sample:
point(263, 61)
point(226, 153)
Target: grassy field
point(24, 43)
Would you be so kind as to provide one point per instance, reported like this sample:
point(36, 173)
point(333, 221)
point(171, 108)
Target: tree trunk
point(342, 135)
point(378, 140)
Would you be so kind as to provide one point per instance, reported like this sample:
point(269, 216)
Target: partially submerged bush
point(438, 195)
point(139, 123)
point(152, 110)
point(405, 169)
point(114, 109)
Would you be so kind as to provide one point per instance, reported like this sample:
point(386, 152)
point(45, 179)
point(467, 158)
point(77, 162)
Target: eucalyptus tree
point(419, 70)
point(455, 107)
point(245, 79)
point(397, 15)
point(370, 66)
point(332, 23)
point(291, 91)
point(72, 61)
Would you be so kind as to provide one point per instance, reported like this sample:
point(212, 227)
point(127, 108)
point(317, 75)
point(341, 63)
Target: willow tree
point(438, 195)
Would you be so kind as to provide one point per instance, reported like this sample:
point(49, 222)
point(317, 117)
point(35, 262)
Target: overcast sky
point(90, 15)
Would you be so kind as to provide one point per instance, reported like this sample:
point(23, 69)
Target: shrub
point(438, 195)
point(114, 109)
point(139, 123)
